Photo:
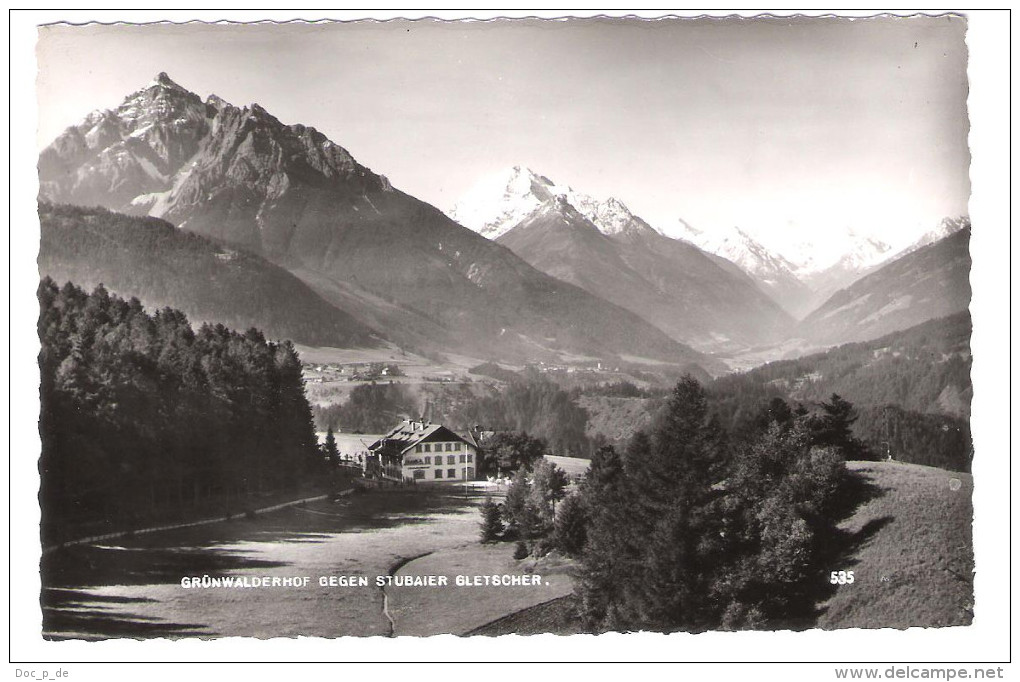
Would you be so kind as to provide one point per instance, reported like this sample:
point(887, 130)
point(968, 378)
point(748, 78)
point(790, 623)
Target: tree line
point(912, 390)
point(163, 265)
point(692, 528)
point(537, 407)
point(143, 415)
point(370, 408)
point(540, 408)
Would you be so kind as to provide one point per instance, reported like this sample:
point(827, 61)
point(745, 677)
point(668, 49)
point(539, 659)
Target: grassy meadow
point(913, 562)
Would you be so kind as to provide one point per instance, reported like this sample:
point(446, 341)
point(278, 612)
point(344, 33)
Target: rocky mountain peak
point(217, 102)
point(163, 79)
point(164, 148)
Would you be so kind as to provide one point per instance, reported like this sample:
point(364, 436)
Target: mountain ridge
point(153, 261)
point(668, 282)
point(288, 193)
point(929, 282)
point(772, 272)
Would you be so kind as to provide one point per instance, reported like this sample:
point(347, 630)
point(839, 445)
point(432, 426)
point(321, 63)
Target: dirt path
point(386, 600)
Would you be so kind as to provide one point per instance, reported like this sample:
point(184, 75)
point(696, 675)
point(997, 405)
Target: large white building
point(420, 451)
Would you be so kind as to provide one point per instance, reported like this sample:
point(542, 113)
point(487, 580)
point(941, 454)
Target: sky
point(788, 128)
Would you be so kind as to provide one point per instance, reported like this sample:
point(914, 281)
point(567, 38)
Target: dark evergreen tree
point(777, 411)
point(329, 449)
point(570, 526)
point(832, 428)
point(614, 545)
point(492, 521)
point(684, 535)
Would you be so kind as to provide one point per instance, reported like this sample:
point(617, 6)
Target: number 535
point(841, 577)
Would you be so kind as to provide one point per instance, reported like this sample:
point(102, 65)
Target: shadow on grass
point(163, 557)
point(838, 549)
point(72, 614)
point(70, 609)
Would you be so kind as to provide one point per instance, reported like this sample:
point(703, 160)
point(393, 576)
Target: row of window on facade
point(468, 473)
point(450, 459)
point(427, 447)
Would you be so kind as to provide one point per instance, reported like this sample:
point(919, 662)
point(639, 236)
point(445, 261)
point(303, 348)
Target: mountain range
point(523, 269)
point(601, 246)
point(925, 283)
point(286, 193)
point(773, 273)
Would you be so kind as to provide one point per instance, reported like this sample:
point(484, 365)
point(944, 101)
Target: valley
point(234, 308)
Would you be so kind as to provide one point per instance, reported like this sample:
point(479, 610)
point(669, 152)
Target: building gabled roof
point(410, 433)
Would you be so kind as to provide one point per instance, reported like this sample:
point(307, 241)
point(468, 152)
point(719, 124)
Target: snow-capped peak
point(736, 246)
point(946, 227)
point(499, 202)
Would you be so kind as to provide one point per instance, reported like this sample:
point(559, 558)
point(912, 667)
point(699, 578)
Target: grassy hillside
point(155, 262)
point(925, 284)
point(916, 368)
point(913, 564)
point(909, 547)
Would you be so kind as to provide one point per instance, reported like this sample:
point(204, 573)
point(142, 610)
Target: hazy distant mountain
point(771, 272)
point(286, 192)
point(616, 255)
point(859, 256)
point(932, 281)
point(945, 228)
point(160, 265)
point(799, 275)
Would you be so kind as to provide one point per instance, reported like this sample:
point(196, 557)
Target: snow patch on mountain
point(495, 204)
point(945, 228)
point(736, 246)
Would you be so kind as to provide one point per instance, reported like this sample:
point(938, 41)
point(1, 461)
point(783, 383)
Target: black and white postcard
point(603, 325)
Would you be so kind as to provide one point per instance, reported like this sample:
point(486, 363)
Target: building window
point(471, 472)
point(462, 459)
point(439, 473)
point(451, 473)
point(428, 460)
point(428, 448)
point(456, 447)
point(449, 459)
point(469, 457)
point(417, 448)
point(419, 474)
point(449, 447)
